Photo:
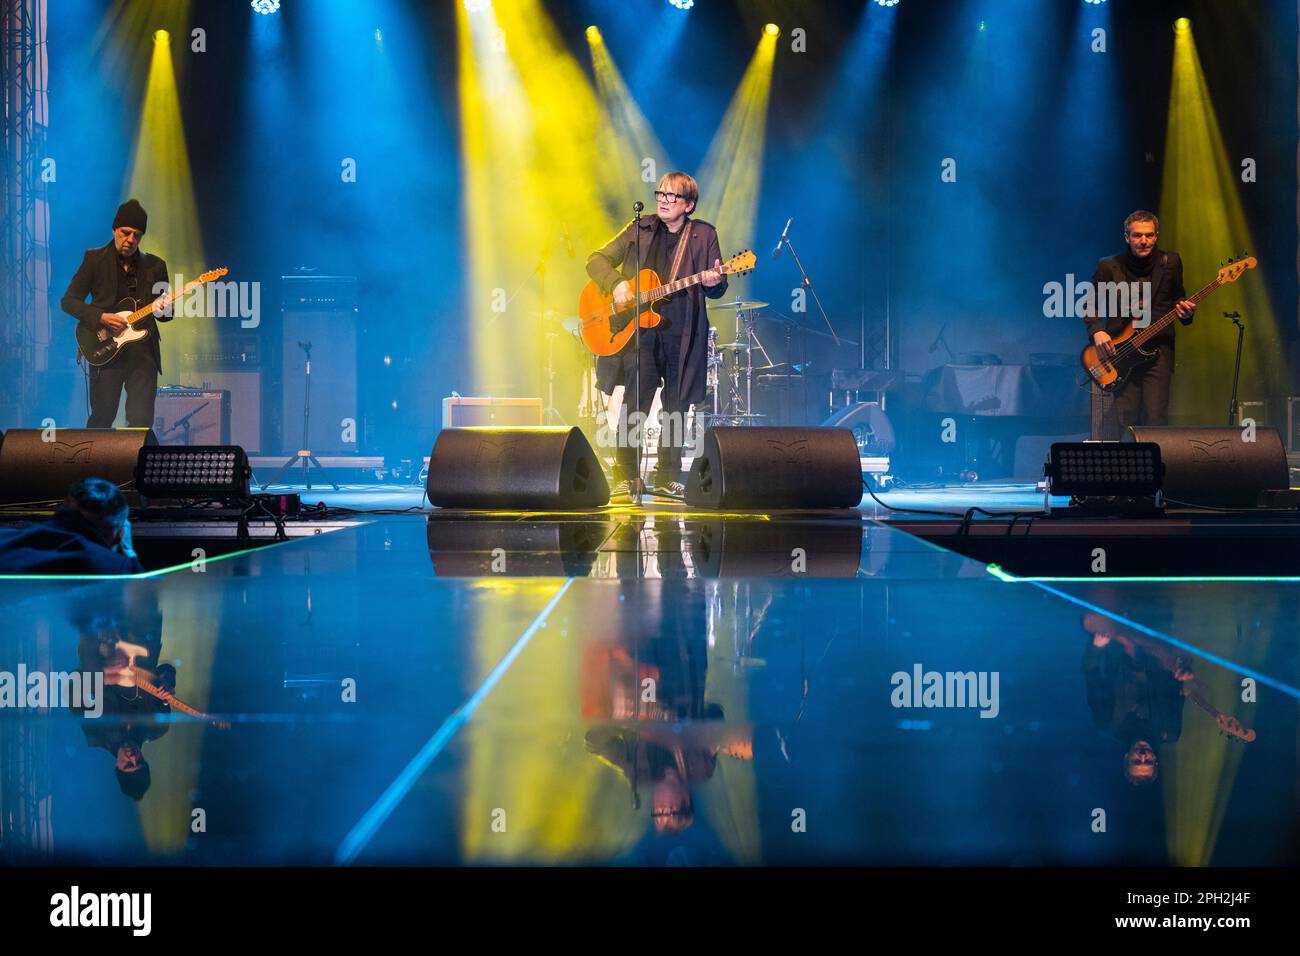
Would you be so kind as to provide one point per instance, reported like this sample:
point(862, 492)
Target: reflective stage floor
point(663, 688)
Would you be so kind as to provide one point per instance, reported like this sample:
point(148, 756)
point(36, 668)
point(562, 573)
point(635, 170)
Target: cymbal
point(738, 346)
point(739, 304)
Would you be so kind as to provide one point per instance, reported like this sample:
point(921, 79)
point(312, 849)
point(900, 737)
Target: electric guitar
point(1130, 356)
point(606, 329)
point(100, 345)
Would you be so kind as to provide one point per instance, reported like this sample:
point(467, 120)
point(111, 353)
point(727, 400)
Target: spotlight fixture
point(772, 30)
point(593, 34)
point(192, 471)
point(1105, 469)
point(682, 4)
point(1182, 25)
point(161, 36)
point(887, 3)
point(265, 6)
point(1095, 2)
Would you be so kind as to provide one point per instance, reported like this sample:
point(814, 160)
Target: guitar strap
point(681, 249)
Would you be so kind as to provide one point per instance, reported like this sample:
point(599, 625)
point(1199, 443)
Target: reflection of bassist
point(110, 274)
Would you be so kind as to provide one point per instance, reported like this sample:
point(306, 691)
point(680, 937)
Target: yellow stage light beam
point(1201, 217)
point(124, 39)
point(532, 168)
point(626, 138)
point(160, 178)
point(733, 168)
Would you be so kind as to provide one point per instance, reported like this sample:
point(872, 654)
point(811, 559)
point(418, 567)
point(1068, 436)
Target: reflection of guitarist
point(123, 640)
point(1136, 689)
point(111, 274)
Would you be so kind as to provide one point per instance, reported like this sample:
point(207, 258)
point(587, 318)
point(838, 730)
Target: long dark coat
point(616, 260)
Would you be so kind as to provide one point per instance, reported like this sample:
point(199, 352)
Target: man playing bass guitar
point(1144, 398)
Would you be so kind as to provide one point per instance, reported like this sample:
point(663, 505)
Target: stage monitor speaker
point(515, 468)
point(34, 469)
point(1217, 466)
point(763, 467)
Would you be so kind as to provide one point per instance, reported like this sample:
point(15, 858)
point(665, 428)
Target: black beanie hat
point(132, 214)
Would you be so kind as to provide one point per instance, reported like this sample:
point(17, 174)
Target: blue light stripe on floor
point(374, 818)
point(1166, 638)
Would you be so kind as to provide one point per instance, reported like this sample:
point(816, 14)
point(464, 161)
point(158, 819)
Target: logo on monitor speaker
point(789, 452)
point(66, 453)
point(1218, 452)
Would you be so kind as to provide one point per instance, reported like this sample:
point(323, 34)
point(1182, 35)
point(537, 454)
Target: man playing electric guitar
point(1144, 398)
point(674, 353)
point(110, 274)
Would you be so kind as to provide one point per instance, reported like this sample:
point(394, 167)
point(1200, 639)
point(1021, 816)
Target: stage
point(442, 687)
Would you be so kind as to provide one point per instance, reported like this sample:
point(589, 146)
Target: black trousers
point(1144, 399)
point(660, 354)
point(135, 368)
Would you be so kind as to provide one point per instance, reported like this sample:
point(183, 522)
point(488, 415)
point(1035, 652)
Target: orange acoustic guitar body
point(600, 320)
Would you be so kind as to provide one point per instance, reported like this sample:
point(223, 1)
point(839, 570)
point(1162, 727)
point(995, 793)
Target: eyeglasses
point(667, 197)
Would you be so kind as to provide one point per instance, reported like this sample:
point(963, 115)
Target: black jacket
point(97, 277)
point(66, 544)
point(615, 261)
point(1166, 291)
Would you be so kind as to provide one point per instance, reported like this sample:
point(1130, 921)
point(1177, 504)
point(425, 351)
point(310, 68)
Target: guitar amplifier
point(1293, 423)
point(465, 411)
point(192, 416)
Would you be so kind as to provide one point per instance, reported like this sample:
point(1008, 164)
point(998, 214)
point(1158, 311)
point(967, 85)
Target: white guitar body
point(132, 333)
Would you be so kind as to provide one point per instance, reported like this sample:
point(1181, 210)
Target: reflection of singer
point(675, 353)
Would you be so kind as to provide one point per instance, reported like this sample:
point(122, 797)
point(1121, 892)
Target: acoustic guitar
point(100, 344)
point(1131, 355)
point(606, 329)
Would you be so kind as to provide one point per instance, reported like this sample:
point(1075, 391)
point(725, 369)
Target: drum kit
point(734, 369)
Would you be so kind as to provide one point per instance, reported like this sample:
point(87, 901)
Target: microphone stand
point(1236, 371)
point(640, 438)
point(808, 284)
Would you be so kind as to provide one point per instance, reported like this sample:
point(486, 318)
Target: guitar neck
point(675, 286)
point(1160, 324)
point(169, 698)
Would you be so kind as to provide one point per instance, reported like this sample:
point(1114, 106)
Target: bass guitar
point(1131, 355)
point(100, 344)
point(606, 329)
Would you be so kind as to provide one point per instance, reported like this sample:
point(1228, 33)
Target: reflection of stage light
point(265, 6)
point(682, 4)
point(772, 30)
point(593, 34)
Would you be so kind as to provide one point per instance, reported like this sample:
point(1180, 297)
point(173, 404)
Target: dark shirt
point(66, 544)
point(1164, 285)
point(675, 310)
point(128, 284)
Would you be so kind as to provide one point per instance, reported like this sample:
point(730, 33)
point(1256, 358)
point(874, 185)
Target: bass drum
point(870, 426)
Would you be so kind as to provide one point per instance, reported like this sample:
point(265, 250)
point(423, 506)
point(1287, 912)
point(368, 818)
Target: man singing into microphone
point(674, 353)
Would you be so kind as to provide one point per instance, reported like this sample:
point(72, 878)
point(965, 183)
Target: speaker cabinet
point(36, 470)
point(1217, 466)
point(776, 468)
point(515, 468)
point(245, 388)
point(192, 416)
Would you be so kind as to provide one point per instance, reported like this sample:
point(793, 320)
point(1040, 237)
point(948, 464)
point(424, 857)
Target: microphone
point(638, 206)
point(568, 242)
point(776, 253)
point(1232, 315)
